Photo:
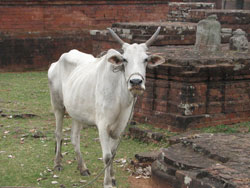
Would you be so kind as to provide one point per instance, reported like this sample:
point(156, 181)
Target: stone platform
point(194, 89)
point(204, 161)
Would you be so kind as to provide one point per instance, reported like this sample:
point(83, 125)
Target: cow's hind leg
point(75, 139)
point(59, 113)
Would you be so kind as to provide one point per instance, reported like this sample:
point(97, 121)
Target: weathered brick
point(75, 14)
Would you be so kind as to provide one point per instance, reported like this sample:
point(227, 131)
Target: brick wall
point(76, 15)
point(35, 33)
point(25, 52)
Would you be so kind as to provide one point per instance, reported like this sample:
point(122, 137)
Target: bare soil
point(140, 183)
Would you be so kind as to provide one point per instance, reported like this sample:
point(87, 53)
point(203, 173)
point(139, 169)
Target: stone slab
point(205, 161)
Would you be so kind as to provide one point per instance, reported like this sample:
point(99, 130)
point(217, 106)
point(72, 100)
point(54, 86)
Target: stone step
point(181, 165)
point(178, 11)
point(174, 33)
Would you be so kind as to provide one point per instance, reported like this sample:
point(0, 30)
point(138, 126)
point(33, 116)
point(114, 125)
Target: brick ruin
point(33, 34)
point(190, 90)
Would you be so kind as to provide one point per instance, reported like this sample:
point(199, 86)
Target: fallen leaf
point(64, 153)
point(138, 177)
point(83, 181)
point(49, 170)
point(66, 129)
point(69, 162)
point(32, 130)
point(67, 139)
point(11, 156)
point(122, 160)
point(54, 182)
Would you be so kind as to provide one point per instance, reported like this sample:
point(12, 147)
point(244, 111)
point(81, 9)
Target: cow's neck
point(114, 84)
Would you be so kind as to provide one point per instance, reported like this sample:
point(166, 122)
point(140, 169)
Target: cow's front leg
point(106, 153)
point(75, 139)
point(114, 144)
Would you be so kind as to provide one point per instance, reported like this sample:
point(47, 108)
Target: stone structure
point(233, 19)
point(178, 11)
point(174, 33)
point(208, 34)
point(239, 41)
point(204, 161)
point(196, 90)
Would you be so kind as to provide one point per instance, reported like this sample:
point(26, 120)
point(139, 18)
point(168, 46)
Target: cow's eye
point(146, 60)
point(125, 60)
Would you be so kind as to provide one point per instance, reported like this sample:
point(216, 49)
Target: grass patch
point(28, 161)
point(235, 128)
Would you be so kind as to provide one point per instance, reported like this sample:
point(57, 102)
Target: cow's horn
point(115, 36)
point(153, 38)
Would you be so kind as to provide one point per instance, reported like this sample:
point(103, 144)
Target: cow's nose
point(135, 82)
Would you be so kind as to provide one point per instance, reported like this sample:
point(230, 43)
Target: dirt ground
point(140, 183)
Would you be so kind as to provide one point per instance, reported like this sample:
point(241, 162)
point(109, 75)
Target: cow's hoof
point(113, 183)
point(58, 168)
point(85, 172)
point(109, 186)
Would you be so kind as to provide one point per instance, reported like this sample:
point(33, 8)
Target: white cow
point(98, 91)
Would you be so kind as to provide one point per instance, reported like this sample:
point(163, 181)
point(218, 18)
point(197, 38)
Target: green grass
point(235, 128)
point(31, 158)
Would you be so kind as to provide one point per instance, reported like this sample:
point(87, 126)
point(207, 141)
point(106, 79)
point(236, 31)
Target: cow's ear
point(114, 57)
point(116, 60)
point(155, 60)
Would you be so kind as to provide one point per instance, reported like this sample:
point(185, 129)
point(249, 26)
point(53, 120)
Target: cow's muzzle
point(136, 84)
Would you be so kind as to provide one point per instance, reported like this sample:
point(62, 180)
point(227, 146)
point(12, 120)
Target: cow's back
point(60, 71)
